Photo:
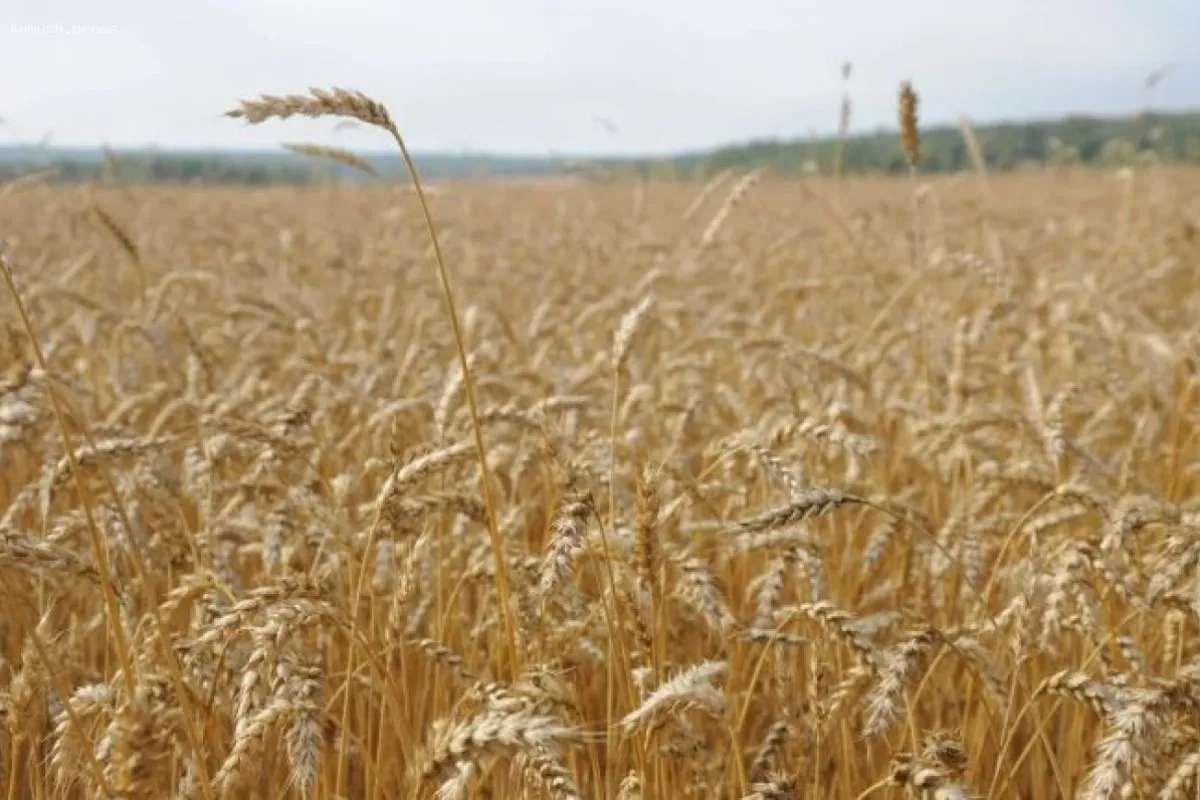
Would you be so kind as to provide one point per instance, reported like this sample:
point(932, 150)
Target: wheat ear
point(337, 154)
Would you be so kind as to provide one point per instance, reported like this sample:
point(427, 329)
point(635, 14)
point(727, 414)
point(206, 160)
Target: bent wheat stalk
point(356, 105)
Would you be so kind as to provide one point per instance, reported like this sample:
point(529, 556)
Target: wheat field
point(793, 488)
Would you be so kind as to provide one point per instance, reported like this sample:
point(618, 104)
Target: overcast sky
point(535, 75)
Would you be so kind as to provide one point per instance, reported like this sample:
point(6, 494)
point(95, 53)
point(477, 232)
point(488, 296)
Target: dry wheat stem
point(359, 106)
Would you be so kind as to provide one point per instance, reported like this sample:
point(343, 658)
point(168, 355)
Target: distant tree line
point(1075, 139)
point(249, 168)
point(166, 167)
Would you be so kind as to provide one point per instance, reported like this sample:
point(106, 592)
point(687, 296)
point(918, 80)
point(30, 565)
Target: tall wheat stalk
point(356, 105)
point(910, 141)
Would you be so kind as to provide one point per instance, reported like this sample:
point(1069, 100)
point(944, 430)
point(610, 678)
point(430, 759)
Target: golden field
point(811, 489)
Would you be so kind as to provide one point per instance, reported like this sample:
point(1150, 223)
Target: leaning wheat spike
point(336, 154)
point(1097, 696)
point(770, 586)
point(699, 588)
point(89, 703)
point(807, 505)
point(735, 196)
point(553, 775)
point(777, 736)
point(566, 542)
point(303, 739)
point(447, 657)
point(777, 787)
point(240, 762)
point(631, 323)
point(318, 103)
point(693, 685)
point(841, 624)
point(647, 548)
point(1134, 729)
point(631, 787)
point(898, 664)
point(117, 232)
point(492, 735)
point(41, 558)
point(425, 465)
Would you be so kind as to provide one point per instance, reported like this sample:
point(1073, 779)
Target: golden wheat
point(777, 519)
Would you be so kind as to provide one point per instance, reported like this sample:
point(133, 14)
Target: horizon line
point(552, 155)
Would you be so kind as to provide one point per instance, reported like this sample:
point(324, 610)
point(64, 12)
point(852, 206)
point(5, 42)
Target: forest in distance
point(1013, 146)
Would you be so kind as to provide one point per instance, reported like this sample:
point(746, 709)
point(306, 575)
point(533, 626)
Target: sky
point(575, 76)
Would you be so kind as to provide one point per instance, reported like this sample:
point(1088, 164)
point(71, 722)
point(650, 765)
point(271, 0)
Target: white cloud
point(532, 75)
